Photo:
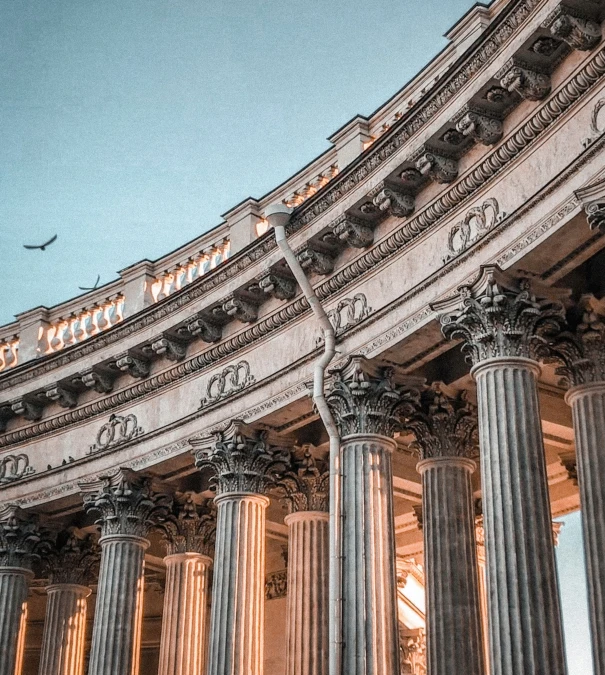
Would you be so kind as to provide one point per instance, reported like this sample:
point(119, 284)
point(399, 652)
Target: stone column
point(306, 488)
point(445, 428)
point(128, 506)
point(581, 352)
point(189, 538)
point(503, 326)
point(365, 399)
point(70, 567)
point(20, 546)
point(242, 463)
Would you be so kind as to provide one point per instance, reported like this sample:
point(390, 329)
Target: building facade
point(173, 501)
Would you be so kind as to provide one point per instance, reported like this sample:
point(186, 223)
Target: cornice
point(460, 192)
point(492, 39)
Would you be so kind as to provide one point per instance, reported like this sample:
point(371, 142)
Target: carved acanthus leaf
point(481, 128)
point(317, 258)
point(74, 559)
point(281, 284)
point(240, 459)
point(22, 540)
point(126, 503)
point(306, 484)
point(444, 424)
point(441, 169)
point(355, 231)
point(190, 527)
point(499, 316)
point(366, 398)
point(595, 214)
point(579, 32)
point(390, 198)
point(529, 84)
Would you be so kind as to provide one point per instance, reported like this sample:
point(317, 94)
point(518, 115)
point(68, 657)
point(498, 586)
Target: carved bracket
point(172, 349)
point(575, 27)
point(64, 396)
point(480, 127)
point(357, 232)
point(243, 305)
point(135, 365)
point(439, 168)
point(390, 198)
point(98, 378)
point(317, 257)
point(279, 283)
point(205, 328)
point(527, 83)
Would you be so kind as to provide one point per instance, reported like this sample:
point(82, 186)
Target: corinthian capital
point(444, 424)
point(306, 485)
point(367, 398)
point(240, 459)
point(580, 352)
point(126, 503)
point(191, 525)
point(21, 538)
point(500, 316)
point(73, 559)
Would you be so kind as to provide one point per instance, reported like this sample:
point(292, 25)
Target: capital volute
point(369, 398)
point(444, 423)
point(190, 527)
point(73, 559)
point(242, 458)
point(127, 503)
point(305, 485)
point(500, 316)
point(22, 538)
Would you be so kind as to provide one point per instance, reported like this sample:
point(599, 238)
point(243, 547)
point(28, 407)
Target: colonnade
point(507, 329)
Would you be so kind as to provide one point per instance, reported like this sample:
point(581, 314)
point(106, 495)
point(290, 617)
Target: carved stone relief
point(349, 312)
point(229, 381)
point(276, 585)
point(595, 127)
point(117, 431)
point(14, 467)
point(478, 221)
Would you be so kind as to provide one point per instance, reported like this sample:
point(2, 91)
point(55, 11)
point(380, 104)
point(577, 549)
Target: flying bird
point(91, 288)
point(42, 247)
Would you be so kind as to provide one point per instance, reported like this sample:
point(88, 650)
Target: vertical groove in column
point(370, 623)
point(452, 584)
point(64, 630)
point(307, 610)
point(525, 619)
point(116, 639)
point(184, 620)
point(13, 607)
point(588, 408)
point(238, 599)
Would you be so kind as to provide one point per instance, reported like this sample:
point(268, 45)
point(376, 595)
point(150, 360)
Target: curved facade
point(163, 472)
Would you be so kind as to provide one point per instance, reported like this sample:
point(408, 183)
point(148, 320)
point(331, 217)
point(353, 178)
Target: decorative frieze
point(477, 222)
point(240, 459)
point(231, 380)
point(190, 527)
point(499, 316)
point(119, 429)
point(125, 502)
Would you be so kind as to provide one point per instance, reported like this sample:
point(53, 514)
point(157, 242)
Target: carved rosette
point(366, 399)
point(22, 541)
point(126, 502)
point(191, 526)
point(444, 424)
point(241, 460)
point(73, 559)
point(499, 316)
point(306, 485)
point(581, 353)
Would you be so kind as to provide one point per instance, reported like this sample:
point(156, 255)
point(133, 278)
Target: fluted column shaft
point(370, 624)
point(116, 638)
point(307, 624)
point(237, 616)
point(450, 556)
point(64, 630)
point(588, 409)
point(182, 645)
point(14, 582)
point(524, 610)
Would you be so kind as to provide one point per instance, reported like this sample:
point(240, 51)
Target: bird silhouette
point(91, 288)
point(42, 247)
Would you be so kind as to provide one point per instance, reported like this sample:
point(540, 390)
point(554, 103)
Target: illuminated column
point(582, 354)
point(189, 537)
point(20, 541)
point(243, 465)
point(127, 506)
point(306, 489)
point(482, 563)
point(503, 326)
point(445, 429)
point(70, 567)
point(364, 400)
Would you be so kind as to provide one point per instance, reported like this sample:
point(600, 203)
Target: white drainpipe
point(278, 216)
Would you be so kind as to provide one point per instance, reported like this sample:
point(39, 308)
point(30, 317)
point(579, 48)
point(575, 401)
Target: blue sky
point(128, 126)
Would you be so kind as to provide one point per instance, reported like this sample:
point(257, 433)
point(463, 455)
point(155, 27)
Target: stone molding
point(190, 527)
point(305, 484)
point(126, 503)
point(240, 459)
point(366, 398)
point(499, 316)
